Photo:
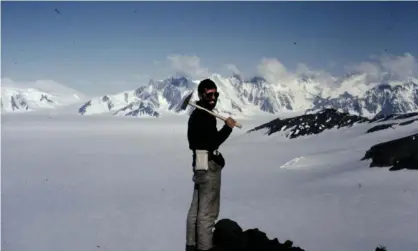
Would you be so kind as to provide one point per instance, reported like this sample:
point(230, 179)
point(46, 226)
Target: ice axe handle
point(214, 114)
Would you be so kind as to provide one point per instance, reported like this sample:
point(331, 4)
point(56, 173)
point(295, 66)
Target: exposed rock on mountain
point(309, 124)
point(398, 154)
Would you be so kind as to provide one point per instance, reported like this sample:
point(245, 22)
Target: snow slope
point(105, 183)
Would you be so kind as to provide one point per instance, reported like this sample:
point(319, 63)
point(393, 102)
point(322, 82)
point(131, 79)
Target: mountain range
point(352, 93)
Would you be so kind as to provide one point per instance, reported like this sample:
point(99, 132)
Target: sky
point(99, 47)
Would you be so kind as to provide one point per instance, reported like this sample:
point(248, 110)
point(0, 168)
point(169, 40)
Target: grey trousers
point(204, 208)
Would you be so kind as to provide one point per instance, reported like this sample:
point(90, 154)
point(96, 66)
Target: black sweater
point(202, 132)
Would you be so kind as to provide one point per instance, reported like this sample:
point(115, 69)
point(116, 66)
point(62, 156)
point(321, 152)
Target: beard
point(209, 104)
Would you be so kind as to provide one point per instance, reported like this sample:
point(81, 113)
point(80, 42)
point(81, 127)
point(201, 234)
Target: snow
point(291, 162)
point(38, 95)
point(72, 182)
point(356, 85)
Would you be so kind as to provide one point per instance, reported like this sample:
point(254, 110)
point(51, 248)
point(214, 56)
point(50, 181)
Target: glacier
point(72, 182)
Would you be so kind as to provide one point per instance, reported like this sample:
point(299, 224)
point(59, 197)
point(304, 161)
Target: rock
point(380, 127)
point(408, 122)
point(381, 248)
point(409, 162)
point(395, 116)
point(315, 123)
point(309, 124)
point(391, 125)
point(228, 236)
point(399, 154)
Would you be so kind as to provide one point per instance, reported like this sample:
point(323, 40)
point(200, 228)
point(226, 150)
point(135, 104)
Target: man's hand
point(230, 122)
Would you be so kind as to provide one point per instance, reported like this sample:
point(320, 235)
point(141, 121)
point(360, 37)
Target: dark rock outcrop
point(398, 154)
point(408, 122)
point(138, 108)
point(394, 116)
point(380, 127)
point(309, 124)
point(393, 125)
point(229, 236)
point(45, 97)
point(83, 108)
point(326, 119)
point(19, 102)
point(106, 99)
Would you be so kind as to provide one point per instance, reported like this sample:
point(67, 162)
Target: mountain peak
point(257, 80)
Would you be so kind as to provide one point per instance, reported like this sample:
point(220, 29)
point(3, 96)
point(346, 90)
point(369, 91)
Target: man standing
point(204, 140)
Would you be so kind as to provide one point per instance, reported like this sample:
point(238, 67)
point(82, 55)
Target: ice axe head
point(186, 100)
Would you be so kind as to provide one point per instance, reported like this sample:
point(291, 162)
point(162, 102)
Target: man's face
point(210, 96)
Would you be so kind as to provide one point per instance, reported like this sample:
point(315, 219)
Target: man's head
point(208, 94)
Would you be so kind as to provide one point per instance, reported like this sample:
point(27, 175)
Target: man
point(203, 136)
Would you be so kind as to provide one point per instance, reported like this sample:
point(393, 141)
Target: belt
point(213, 152)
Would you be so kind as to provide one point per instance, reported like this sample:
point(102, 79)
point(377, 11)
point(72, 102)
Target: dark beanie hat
point(206, 84)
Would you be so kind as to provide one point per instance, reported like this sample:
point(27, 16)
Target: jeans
point(204, 208)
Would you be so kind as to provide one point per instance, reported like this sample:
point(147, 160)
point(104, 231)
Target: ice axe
point(188, 102)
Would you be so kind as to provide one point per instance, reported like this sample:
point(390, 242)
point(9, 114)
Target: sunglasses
point(211, 94)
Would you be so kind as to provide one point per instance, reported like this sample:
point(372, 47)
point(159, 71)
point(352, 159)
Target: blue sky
point(110, 46)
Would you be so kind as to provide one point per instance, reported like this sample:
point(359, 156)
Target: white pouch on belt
point(202, 159)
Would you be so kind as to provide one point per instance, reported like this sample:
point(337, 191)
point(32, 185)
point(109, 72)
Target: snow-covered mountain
point(165, 96)
point(148, 100)
point(380, 99)
point(246, 97)
point(20, 98)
